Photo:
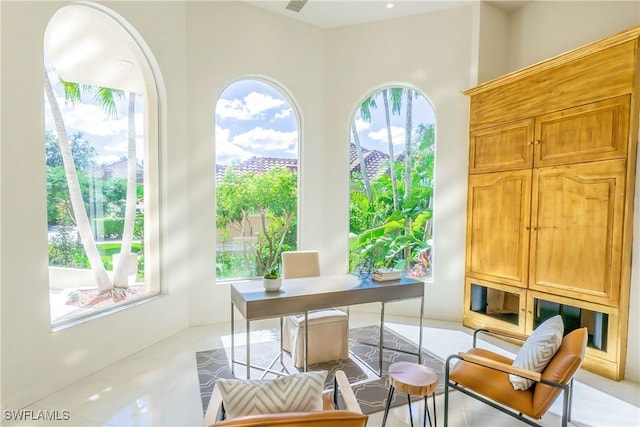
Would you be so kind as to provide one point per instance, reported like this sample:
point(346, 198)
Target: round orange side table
point(412, 379)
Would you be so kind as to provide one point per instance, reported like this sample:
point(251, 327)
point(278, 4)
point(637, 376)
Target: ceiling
point(332, 13)
point(86, 46)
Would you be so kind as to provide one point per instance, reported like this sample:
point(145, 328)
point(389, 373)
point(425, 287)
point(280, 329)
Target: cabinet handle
point(530, 143)
point(536, 142)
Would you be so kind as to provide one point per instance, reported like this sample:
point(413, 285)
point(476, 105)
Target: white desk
point(312, 293)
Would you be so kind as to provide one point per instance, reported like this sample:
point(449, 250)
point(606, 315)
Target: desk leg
point(233, 359)
point(248, 349)
point(420, 339)
point(281, 345)
point(381, 341)
point(306, 339)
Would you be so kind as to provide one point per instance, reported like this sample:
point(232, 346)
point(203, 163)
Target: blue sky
point(108, 135)
point(253, 118)
point(373, 135)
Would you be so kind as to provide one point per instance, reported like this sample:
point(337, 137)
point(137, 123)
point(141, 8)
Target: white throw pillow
point(299, 392)
point(538, 350)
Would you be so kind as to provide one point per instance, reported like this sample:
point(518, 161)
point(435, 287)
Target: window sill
point(57, 327)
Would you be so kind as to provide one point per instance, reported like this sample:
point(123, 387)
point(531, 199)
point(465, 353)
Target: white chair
point(328, 329)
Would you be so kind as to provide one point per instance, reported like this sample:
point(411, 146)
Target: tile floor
point(159, 386)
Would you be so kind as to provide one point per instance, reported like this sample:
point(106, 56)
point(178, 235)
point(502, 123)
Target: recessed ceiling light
point(390, 5)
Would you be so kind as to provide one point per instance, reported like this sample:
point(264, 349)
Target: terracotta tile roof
point(258, 165)
point(374, 160)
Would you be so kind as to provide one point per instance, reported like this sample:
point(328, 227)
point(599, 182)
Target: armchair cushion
point(299, 392)
point(537, 351)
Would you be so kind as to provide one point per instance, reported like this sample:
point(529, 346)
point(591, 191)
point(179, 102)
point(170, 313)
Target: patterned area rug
point(361, 367)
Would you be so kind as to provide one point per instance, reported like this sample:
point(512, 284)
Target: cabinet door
point(497, 227)
point(503, 147)
point(576, 237)
point(596, 131)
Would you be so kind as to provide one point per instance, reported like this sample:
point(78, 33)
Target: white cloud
point(397, 133)
point(250, 107)
point(91, 119)
point(222, 135)
point(122, 145)
point(107, 160)
point(362, 125)
point(265, 141)
point(284, 113)
point(227, 151)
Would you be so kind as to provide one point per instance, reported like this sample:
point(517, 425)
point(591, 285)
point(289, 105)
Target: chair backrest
point(300, 264)
point(300, 419)
point(561, 369)
point(328, 417)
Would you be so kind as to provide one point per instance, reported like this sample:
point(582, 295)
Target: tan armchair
point(328, 329)
point(484, 375)
point(330, 416)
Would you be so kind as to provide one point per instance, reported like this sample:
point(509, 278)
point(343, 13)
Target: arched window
point(392, 159)
point(101, 123)
point(256, 146)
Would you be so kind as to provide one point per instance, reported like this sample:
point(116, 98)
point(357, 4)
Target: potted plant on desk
point(272, 280)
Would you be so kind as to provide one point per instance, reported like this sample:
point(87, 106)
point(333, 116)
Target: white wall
point(541, 30)
point(227, 41)
point(201, 47)
point(36, 361)
point(493, 37)
point(431, 53)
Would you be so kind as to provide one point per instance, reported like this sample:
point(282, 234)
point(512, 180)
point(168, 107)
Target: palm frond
point(72, 93)
point(105, 97)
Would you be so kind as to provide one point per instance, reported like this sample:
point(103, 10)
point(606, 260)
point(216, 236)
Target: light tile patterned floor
point(159, 386)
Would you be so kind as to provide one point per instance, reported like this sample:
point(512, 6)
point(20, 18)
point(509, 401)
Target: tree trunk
point(407, 168)
point(407, 144)
point(121, 275)
point(363, 166)
point(77, 204)
point(392, 157)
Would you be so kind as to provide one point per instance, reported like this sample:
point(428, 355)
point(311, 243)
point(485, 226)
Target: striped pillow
point(299, 392)
point(537, 350)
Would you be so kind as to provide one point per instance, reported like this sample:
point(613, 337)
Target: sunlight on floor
point(159, 386)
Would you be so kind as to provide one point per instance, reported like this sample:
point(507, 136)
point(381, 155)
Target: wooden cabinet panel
point(555, 85)
point(502, 147)
point(596, 131)
point(602, 322)
point(497, 226)
point(564, 243)
point(494, 304)
point(576, 237)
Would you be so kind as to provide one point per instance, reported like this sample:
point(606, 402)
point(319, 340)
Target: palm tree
point(121, 275)
point(407, 143)
point(396, 102)
point(105, 98)
point(77, 204)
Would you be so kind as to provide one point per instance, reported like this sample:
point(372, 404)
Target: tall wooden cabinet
point(552, 163)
